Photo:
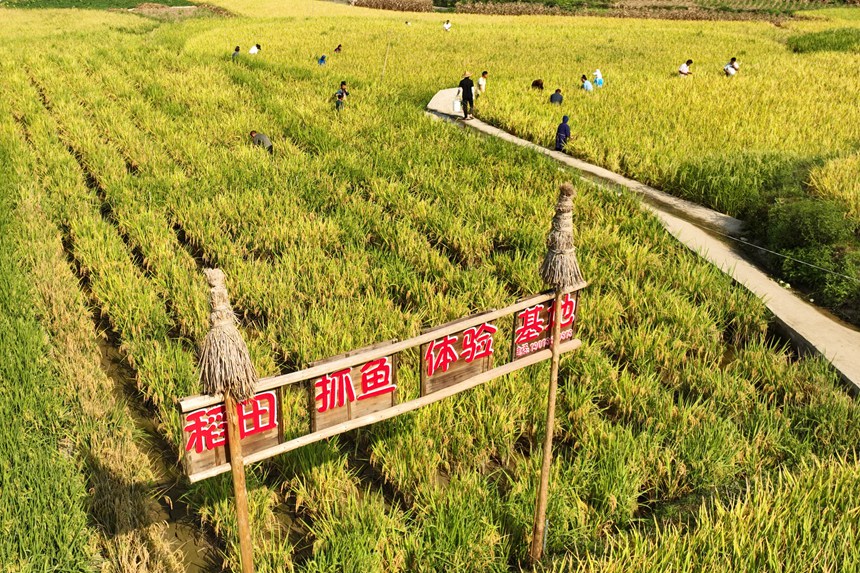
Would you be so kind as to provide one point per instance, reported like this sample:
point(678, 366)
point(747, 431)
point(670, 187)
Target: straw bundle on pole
point(225, 367)
point(560, 268)
point(561, 271)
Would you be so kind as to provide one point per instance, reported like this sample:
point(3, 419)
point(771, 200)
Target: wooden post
point(226, 367)
point(246, 546)
point(538, 532)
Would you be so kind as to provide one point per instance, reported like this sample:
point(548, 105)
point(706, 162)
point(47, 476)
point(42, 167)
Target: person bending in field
point(321, 61)
point(235, 55)
point(586, 85)
point(562, 134)
point(338, 49)
point(447, 26)
point(340, 101)
point(732, 67)
point(685, 70)
point(482, 83)
point(262, 140)
point(537, 85)
point(598, 79)
point(467, 95)
point(556, 98)
point(255, 49)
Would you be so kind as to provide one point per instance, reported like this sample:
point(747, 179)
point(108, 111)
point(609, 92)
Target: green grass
point(836, 40)
point(43, 522)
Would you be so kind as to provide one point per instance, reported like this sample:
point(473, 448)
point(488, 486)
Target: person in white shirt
point(482, 83)
point(255, 49)
point(732, 67)
point(447, 26)
point(684, 70)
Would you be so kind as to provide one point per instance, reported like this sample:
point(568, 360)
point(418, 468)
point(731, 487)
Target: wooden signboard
point(533, 326)
point(205, 431)
point(360, 387)
point(457, 357)
point(353, 392)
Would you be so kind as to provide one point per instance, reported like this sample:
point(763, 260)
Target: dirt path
point(808, 326)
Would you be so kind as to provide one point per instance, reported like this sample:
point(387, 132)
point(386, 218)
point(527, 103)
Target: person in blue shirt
point(586, 85)
point(321, 61)
point(556, 98)
point(562, 134)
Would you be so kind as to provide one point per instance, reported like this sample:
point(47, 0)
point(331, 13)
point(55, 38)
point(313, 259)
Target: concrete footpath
point(810, 328)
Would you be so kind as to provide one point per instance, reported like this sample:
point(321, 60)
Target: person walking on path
point(562, 134)
point(732, 67)
point(235, 55)
point(598, 79)
point(262, 140)
point(556, 98)
point(447, 26)
point(255, 49)
point(482, 83)
point(586, 85)
point(684, 70)
point(467, 96)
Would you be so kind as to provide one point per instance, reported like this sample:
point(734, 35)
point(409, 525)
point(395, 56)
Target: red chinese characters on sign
point(258, 414)
point(335, 390)
point(478, 342)
point(207, 429)
point(533, 326)
point(354, 392)
point(376, 379)
point(440, 354)
point(456, 357)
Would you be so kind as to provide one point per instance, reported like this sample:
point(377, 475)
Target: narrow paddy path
point(808, 327)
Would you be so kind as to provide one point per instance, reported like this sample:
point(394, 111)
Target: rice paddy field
point(688, 437)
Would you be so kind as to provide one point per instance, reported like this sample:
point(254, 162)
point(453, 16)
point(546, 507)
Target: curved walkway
point(809, 328)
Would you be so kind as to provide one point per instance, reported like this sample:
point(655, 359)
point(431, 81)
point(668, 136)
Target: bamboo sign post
point(560, 270)
point(240, 420)
point(226, 368)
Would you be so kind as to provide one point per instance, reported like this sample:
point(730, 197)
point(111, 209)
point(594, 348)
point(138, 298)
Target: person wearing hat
point(598, 79)
point(467, 96)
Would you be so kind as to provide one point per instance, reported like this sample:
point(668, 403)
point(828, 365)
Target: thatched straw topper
point(225, 365)
point(560, 268)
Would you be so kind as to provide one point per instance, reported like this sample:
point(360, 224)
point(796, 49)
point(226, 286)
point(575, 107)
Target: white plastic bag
point(458, 107)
